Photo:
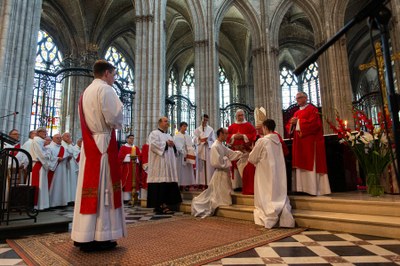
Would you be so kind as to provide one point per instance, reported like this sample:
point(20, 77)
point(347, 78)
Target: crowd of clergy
point(55, 166)
point(245, 158)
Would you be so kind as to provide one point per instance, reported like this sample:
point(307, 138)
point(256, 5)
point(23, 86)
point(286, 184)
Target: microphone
point(13, 113)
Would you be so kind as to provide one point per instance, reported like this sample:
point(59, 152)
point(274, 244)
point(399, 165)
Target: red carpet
point(173, 241)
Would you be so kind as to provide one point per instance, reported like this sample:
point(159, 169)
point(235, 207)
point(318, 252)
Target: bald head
point(57, 139)
point(66, 137)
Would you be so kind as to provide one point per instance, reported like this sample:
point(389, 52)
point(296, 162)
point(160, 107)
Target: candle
point(133, 151)
point(345, 124)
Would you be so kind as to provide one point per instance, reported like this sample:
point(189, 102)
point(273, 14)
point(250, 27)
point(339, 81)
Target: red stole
point(35, 179)
point(50, 174)
point(14, 153)
point(91, 175)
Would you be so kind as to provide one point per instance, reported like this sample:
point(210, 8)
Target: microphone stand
point(381, 15)
point(13, 113)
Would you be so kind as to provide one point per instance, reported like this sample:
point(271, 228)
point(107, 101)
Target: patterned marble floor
point(311, 247)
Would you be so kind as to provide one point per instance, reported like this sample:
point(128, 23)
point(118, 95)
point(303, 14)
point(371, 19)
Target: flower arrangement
point(369, 143)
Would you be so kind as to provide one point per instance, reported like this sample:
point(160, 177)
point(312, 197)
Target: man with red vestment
point(241, 136)
point(99, 217)
point(308, 151)
point(124, 157)
point(145, 167)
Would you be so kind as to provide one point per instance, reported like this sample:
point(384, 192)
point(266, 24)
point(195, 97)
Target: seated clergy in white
point(58, 179)
point(72, 165)
point(272, 205)
point(185, 157)
point(42, 163)
point(219, 190)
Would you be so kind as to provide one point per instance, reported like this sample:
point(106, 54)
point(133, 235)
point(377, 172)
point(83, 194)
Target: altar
point(341, 163)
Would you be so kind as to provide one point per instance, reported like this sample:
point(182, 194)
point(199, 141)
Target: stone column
point(74, 85)
point(335, 84)
point(19, 27)
point(149, 66)
point(206, 76)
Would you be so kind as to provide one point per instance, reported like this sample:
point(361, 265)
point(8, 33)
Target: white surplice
point(58, 192)
point(41, 154)
point(184, 146)
point(103, 111)
point(219, 190)
point(162, 161)
point(72, 169)
point(272, 205)
point(203, 166)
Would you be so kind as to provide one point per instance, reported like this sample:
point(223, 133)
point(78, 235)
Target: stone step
point(355, 203)
point(376, 225)
point(365, 206)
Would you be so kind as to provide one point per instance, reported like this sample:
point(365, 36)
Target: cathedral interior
point(184, 58)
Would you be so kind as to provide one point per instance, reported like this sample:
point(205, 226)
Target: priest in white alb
point(99, 218)
point(72, 165)
point(203, 138)
point(186, 157)
point(272, 205)
point(219, 190)
point(42, 162)
point(58, 179)
point(163, 191)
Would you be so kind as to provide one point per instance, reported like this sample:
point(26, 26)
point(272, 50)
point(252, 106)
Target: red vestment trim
point(35, 180)
point(14, 153)
point(50, 174)
point(91, 176)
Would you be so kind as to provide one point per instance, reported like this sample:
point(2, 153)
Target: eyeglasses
point(300, 97)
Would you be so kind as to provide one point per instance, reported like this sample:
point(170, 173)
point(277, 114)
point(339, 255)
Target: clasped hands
point(170, 143)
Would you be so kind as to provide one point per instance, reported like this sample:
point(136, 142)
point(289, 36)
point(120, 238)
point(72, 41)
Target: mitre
point(260, 115)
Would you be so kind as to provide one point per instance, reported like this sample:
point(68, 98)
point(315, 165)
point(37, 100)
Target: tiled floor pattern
point(311, 247)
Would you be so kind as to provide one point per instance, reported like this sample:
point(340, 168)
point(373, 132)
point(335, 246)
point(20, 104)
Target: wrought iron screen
point(180, 109)
point(126, 97)
point(228, 113)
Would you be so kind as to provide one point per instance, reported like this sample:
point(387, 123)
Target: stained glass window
point(310, 84)
point(188, 84)
point(46, 98)
point(224, 89)
point(172, 83)
point(124, 71)
point(48, 57)
point(289, 87)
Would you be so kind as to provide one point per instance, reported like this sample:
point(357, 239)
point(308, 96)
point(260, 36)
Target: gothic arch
point(198, 20)
point(309, 8)
point(248, 13)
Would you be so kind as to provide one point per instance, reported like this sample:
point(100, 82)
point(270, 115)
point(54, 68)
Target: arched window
point(224, 89)
point(172, 83)
point(289, 87)
point(124, 71)
point(46, 98)
point(310, 84)
point(48, 57)
point(188, 84)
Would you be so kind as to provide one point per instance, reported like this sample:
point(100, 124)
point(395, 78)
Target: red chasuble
point(145, 160)
point(126, 168)
point(309, 143)
point(248, 172)
point(91, 176)
point(50, 174)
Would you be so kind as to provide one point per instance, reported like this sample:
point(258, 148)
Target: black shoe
point(98, 246)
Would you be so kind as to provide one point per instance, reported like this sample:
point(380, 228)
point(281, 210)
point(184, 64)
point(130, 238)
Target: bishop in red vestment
point(241, 136)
